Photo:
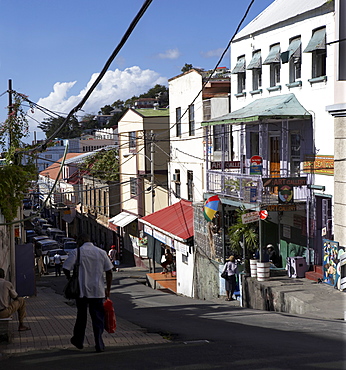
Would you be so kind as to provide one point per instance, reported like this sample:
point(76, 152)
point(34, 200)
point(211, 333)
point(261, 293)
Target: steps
point(315, 274)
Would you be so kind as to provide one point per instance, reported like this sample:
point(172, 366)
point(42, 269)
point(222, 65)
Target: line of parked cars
point(48, 241)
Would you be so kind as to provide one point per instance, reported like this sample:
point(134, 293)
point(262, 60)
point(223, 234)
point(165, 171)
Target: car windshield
point(70, 245)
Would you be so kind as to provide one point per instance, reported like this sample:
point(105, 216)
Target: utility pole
point(152, 151)
point(10, 111)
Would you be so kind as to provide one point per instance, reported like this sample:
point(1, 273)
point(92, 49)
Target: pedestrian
point(274, 258)
point(57, 264)
point(113, 255)
point(230, 282)
point(93, 263)
point(10, 302)
point(168, 260)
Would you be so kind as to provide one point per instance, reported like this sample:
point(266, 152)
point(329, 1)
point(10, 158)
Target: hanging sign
point(250, 217)
point(256, 165)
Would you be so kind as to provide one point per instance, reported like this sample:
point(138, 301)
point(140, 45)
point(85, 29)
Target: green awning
point(256, 61)
point(240, 66)
point(317, 41)
point(293, 50)
point(274, 55)
point(275, 107)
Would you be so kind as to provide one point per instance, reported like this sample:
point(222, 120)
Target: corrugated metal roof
point(176, 219)
point(278, 11)
point(275, 107)
point(122, 219)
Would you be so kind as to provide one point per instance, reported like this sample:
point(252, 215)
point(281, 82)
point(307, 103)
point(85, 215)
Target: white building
point(283, 78)
point(189, 106)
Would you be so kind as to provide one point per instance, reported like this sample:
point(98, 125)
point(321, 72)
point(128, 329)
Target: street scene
point(184, 207)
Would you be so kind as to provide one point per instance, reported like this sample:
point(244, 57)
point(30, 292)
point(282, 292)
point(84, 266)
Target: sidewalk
point(51, 319)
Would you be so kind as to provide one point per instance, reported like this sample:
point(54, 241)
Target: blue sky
point(52, 49)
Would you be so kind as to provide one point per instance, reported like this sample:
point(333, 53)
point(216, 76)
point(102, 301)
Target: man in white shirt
point(93, 263)
point(10, 302)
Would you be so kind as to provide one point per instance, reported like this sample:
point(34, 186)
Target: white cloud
point(169, 54)
point(115, 85)
point(212, 53)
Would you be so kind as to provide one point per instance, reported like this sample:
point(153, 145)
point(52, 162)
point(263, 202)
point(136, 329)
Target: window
point(239, 70)
point(293, 55)
point(256, 66)
point(133, 186)
point(295, 153)
point(254, 143)
point(191, 120)
point(206, 110)
point(185, 259)
point(317, 47)
point(178, 121)
point(177, 184)
point(273, 60)
point(220, 134)
point(132, 139)
point(189, 185)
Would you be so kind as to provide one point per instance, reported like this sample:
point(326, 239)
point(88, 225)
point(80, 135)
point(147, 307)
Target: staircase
point(315, 274)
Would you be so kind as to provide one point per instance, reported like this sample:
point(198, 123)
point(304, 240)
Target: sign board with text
point(250, 217)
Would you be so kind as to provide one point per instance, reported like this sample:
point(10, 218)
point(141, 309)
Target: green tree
point(14, 177)
point(70, 130)
point(240, 232)
point(186, 67)
point(104, 165)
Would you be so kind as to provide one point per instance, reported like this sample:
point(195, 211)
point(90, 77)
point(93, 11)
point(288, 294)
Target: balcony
point(248, 188)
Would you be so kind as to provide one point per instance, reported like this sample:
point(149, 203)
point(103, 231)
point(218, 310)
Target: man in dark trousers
point(93, 263)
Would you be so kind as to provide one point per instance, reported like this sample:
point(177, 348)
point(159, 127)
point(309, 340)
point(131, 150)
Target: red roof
point(176, 219)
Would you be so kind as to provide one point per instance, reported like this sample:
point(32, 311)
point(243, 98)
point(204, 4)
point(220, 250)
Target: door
point(274, 156)
point(25, 270)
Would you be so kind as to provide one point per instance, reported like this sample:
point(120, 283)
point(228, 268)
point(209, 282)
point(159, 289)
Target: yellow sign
point(321, 164)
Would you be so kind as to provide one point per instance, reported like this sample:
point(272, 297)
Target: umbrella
point(211, 206)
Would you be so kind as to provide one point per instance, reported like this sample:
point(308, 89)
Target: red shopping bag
point(110, 320)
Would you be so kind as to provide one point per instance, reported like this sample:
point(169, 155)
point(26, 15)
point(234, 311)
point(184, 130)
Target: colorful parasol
point(211, 206)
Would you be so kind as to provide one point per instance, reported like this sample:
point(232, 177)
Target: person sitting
point(168, 260)
point(8, 307)
point(274, 258)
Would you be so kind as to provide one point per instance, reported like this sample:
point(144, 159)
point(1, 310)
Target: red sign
point(256, 159)
point(263, 214)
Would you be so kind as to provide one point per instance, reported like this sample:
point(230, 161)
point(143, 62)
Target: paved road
point(204, 335)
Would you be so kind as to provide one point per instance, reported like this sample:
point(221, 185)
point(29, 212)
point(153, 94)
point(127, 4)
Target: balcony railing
point(247, 188)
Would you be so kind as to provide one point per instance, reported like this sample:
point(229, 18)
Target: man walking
point(7, 306)
point(93, 263)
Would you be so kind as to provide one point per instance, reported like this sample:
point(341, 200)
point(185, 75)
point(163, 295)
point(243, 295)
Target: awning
point(256, 61)
point(274, 55)
point(240, 66)
point(275, 107)
point(317, 41)
point(292, 51)
point(122, 219)
point(175, 221)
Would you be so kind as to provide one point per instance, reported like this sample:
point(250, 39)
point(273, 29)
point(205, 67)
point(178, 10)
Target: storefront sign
point(280, 181)
point(281, 207)
point(250, 217)
point(227, 165)
point(159, 236)
point(148, 230)
point(322, 164)
point(256, 165)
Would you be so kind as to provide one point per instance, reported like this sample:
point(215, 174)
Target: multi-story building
point(143, 160)
point(283, 141)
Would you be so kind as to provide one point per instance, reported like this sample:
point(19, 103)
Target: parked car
point(29, 235)
point(47, 245)
point(36, 239)
point(63, 240)
point(43, 228)
point(27, 203)
point(69, 245)
point(53, 232)
point(53, 252)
